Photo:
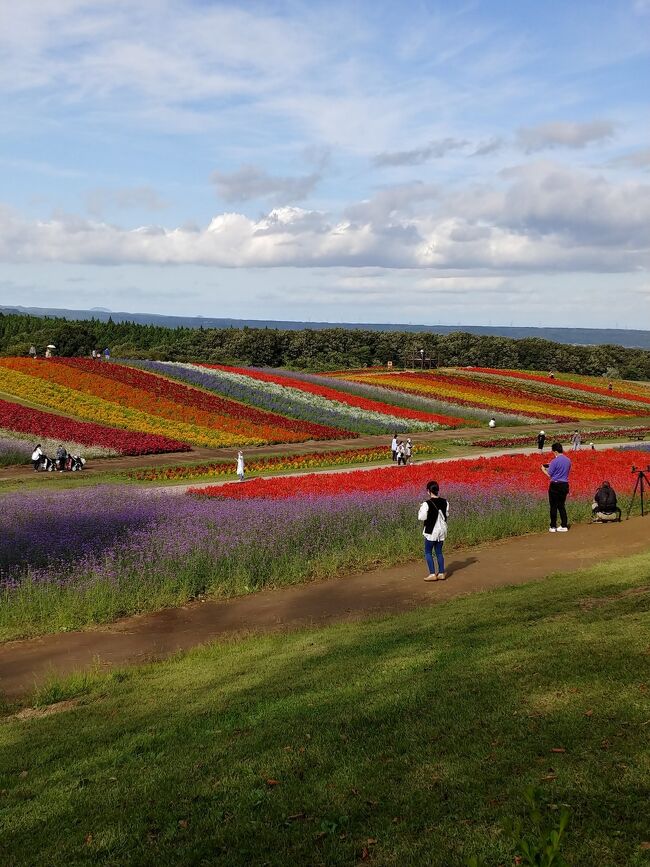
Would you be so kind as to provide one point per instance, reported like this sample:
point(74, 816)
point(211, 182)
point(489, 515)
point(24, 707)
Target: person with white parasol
point(48, 350)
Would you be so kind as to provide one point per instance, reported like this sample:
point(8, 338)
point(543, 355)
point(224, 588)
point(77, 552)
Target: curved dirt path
point(148, 637)
point(203, 454)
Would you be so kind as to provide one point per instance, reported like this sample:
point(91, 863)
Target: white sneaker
point(563, 529)
point(552, 530)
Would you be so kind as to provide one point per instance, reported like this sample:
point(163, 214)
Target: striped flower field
point(529, 395)
point(143, 407)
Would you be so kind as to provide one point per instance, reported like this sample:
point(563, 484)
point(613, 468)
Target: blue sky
point(480, 162)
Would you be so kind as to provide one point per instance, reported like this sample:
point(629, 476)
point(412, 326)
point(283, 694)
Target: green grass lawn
point(405, 740)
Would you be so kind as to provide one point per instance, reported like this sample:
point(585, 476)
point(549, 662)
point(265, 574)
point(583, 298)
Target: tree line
point(307, 349)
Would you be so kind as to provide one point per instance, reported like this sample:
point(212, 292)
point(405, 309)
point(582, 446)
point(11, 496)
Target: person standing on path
point(558, 472)
point(576, 441)
point(32, 351)
point(240, 466)
point(393, 448)
point(541, 439)
point(107, 354)
point(434, 512)
point(492, 423)
point(408, 452)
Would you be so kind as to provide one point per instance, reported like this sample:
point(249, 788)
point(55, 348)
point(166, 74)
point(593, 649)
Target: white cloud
point(99, 200)
point(250, 182)
point(568, 134)
point(539, 218)
point(637, 159)
point(433, 150)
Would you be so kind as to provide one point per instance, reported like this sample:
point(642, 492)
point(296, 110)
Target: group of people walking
point(50, 348)
point(402, 451)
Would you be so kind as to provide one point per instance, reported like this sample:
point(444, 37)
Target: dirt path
point(198, 454)
point(147, 637)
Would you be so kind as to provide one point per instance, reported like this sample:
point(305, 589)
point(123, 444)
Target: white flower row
point(314, 401)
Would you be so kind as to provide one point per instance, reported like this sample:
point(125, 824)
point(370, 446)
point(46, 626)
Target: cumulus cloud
point(489, 146)
point(388, 201)
point(433, 150)
point(638, 159)
point(567, 134)
point(99, 200)
point(540, 217)
point(250, 182)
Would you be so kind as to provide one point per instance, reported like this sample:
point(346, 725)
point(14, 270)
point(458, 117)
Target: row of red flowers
point(508, 391)
point(522, 440)
point(341, 396)
point(563, 383)
point(187, 396)
point(38, 423)
point(503, 474)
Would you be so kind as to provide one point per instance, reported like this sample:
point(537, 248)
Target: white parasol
point(50, 346)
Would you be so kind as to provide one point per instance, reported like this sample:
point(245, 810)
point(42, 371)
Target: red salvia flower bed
point(514, 473)
point(38, 423)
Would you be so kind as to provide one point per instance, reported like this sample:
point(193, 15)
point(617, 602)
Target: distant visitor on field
point(37, 457)
point(32, 351)
point(240, 466)
point(576, 440)
point(408, 451)
point(107, 354)
point(492, 423)
point(393, 447)
point(558, 472)
point(434, 513)
point(541, 439)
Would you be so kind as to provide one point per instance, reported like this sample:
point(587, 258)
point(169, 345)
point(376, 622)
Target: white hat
point(541, 431)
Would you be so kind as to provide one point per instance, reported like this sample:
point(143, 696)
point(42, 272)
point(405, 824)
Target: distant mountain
point(574, 336)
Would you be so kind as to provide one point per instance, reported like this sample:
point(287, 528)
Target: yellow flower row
point(72, 403)
point(475, 395)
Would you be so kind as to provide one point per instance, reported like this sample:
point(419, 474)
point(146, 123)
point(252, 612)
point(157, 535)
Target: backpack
point(439, 530)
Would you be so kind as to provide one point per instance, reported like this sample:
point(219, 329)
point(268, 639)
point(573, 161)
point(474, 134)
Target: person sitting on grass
point(605, 507)
point(434, 513)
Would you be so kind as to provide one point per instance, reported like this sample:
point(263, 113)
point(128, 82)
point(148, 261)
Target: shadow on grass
point(408, 740)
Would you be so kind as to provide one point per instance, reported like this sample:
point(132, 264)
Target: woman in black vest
point(434, 512)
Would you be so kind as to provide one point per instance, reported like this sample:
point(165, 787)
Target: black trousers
point(557, 494)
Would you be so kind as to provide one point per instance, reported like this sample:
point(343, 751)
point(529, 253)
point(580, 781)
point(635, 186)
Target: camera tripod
point(642, 482)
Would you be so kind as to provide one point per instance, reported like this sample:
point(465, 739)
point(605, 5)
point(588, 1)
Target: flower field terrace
point(562, 436)
point(467, 388)
point(505, 474)
point(277, 463)
point(135, 550)
point(354, 405)
point(25, 420)
point(589, 389)
point(146, 402)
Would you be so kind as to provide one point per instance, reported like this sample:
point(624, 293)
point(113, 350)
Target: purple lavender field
point(72, 558)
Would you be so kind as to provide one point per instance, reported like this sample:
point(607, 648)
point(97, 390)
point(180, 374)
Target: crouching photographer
point(605, 507)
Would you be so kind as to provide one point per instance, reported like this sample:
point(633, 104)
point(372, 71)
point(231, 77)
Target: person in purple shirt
point(558, 472)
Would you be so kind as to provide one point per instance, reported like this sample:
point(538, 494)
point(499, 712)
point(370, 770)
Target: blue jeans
point(437, 548)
